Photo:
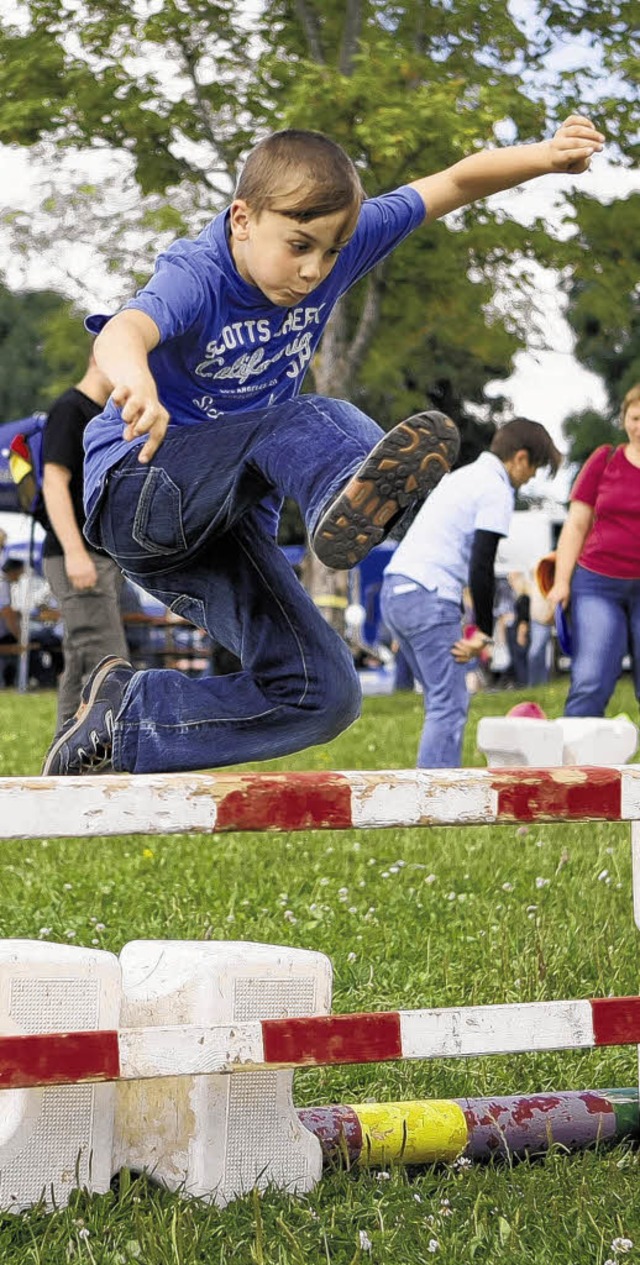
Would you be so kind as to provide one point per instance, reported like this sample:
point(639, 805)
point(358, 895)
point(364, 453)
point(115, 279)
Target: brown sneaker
point(84, 743)
point(403, 468)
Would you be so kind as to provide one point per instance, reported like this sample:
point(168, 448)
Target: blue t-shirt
point(225, 348)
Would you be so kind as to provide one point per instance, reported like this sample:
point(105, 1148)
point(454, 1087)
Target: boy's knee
point(343, 702)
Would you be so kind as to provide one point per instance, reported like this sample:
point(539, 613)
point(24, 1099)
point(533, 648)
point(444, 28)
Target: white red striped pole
point(64, 1058)
point(182, 803)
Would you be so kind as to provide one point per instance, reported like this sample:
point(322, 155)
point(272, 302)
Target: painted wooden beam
point(316, 1041)
point(184, 803)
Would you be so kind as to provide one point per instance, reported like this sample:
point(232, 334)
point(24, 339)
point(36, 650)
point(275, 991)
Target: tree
point(586, 431)
point(603, 292)
point(43, 350)
point(181, 88)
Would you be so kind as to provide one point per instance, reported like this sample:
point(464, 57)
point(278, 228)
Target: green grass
point(463, 920)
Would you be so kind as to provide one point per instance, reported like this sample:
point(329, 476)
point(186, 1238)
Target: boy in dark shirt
point(85, 583)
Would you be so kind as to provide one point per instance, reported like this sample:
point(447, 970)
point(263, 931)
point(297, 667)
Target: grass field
point(474, 915)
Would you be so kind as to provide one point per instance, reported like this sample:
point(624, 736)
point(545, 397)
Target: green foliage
point(603, 292)
point(180, 89)
point(586, 431)
point(43, 350)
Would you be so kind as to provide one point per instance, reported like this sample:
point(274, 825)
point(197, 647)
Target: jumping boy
point(206, 431)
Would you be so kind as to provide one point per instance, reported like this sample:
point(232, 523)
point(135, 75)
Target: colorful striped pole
point(432, 1131)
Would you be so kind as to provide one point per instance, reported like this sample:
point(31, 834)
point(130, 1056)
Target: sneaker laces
point(95, 759)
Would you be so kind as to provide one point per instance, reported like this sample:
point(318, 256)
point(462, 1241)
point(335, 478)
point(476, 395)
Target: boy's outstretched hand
point(143, 414)
point(574, 144)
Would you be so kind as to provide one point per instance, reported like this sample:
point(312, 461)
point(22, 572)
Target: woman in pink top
point(598, 568)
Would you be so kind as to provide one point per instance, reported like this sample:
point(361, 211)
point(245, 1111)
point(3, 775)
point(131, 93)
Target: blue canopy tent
point(8, 491)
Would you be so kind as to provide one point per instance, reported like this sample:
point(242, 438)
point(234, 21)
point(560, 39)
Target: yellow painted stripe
point(411, 1132)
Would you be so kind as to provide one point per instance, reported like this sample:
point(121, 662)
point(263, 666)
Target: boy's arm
point(491, 170)
point(121, 351)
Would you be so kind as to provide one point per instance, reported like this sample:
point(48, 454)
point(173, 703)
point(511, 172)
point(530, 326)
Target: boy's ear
point(239, 217)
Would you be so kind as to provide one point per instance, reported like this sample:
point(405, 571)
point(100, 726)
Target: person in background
point(598, 568)
point(518, 631)
point(452, 542)
point(85, 582)
point(11, 571)
point(540, 622)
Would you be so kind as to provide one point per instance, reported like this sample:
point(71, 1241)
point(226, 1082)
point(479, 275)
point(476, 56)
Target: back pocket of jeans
point(157, 526)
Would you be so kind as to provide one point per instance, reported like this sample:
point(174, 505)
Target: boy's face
point(520, 468)
point(287, 259)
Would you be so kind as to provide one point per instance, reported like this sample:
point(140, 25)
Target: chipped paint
point(566, 794)
point(286, 801)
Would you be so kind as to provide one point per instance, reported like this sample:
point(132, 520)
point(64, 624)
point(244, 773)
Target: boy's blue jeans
point(605, 625)
point(187, 527)
point(426, 627)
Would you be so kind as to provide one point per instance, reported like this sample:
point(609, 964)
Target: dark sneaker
point(403, 468)
point(84, 742)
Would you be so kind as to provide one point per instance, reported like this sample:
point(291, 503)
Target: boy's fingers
point(584, 132)
point(120, 395)
point(149, 449)
point(579, 120)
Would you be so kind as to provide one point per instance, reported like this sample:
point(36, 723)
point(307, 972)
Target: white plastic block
point(56, 1139)
point(217, 1136)
point(597, 740)
point(518, 741)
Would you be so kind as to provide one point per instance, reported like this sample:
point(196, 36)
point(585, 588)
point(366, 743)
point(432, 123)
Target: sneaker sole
point(85, 704)
point(404, 467)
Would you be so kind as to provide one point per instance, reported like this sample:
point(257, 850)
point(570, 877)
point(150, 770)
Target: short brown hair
point(300, 174)
point(632, 397)
point(532, 436)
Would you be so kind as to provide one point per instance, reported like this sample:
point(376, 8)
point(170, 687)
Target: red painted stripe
point(286, 801)
point(326, 1039)
point(567, 794)
point(58, 1058)
point(616, 1020)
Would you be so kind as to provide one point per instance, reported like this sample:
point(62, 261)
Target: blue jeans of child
point(538, 662)
point(426, 627)
point(605, 625)
point(189, 528)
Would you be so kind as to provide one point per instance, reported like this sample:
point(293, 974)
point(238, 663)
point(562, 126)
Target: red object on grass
point(530, 710)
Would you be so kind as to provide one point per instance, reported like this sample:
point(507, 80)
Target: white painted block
point(54, 1140)
point(597, 740)
point(218, 1136)
point(519, 741)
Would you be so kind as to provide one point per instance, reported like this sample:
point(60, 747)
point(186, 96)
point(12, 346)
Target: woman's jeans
point(426, 627)
point(189, 529)
point(605, 626)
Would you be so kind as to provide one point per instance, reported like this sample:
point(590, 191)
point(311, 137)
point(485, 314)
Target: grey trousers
point(92, 626)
